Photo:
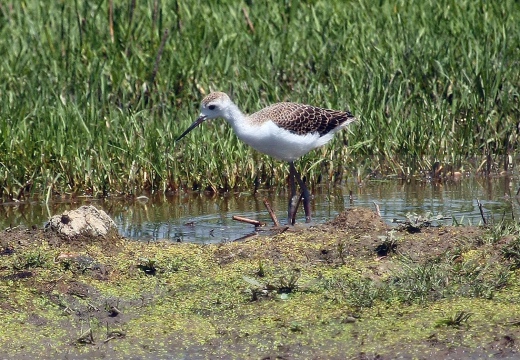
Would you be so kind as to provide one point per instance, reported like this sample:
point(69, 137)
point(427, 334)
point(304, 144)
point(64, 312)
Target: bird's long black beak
point(197, 122)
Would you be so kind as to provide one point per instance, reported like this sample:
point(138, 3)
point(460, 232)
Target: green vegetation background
point(93, 93)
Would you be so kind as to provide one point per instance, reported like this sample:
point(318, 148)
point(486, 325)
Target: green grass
point(446, 278)
point(85, 111)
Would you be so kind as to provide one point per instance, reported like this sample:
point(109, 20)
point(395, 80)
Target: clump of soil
point(358, 219)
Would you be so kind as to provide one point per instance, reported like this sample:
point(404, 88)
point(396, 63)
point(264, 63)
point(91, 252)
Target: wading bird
point(285, 131)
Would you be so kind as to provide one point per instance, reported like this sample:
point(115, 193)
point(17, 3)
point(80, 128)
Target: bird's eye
point(211, 107)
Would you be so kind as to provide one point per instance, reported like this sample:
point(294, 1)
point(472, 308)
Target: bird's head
point(212, 106)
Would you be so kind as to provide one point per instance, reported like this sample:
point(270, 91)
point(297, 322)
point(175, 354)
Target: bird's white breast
point(272, 140)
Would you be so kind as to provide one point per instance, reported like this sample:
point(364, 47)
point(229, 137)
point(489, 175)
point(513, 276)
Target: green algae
point(199, 301)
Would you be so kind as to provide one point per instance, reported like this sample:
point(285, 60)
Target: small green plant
point(295, 326)
point(86, 337)
point(289, 284)
point(415, 222)
point(173, 265)
point(388, 244)
point(149, 266)
point(78, 263)
point(31, 259)
point(502, 229)
point(286, 286)
point(411, 282)
point(357, 292)
point(261, 269)
point(257, 289)
point(511, 252)
point(456, 320)
point(342, 251)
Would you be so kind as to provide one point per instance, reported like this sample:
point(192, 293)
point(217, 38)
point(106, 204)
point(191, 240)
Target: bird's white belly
point(280, 143)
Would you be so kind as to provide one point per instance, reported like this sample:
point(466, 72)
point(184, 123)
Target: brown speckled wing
point(302, 119)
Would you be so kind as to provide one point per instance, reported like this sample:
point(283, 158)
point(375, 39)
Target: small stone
point(349, 320)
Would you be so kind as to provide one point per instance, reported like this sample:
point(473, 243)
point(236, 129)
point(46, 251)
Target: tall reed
point(93, 94)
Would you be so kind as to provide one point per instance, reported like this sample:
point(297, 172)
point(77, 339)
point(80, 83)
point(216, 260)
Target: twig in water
point(247, 236)
point(377, 209)
point(271, 213)
point(481, 212)
point(248, 221)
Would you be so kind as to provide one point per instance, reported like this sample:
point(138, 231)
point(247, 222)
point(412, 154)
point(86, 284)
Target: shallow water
point(200, 218)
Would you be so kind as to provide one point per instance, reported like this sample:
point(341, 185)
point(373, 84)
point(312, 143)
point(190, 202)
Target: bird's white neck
point(235, 118)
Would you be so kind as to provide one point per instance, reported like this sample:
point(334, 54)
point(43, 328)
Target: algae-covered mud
point(352, 288)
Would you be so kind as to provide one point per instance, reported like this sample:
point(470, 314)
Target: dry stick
point(111, 19)
point(131, 13)
point(156, 65)
point(25, 188)
point(248, 20)
point(512, 210)
point(87, 337)
point(248, 221)
point(247, 236)
point(178, 14)
point(377, 209)
point(78, 18)
point(481, 211)
point(158, 57)
point(155, 11)
point(114, 335)
point(130, 19)
point(271, 213)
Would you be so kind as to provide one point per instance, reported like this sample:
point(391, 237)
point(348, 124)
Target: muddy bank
point(352, 288)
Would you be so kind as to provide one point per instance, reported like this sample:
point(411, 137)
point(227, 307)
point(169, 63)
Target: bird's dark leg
point(306, 195)
point(293, 199)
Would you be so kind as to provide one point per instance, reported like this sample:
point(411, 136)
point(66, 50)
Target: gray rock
point(86, 220)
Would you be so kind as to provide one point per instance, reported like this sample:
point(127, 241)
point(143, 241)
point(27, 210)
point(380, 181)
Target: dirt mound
point(358, 219)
